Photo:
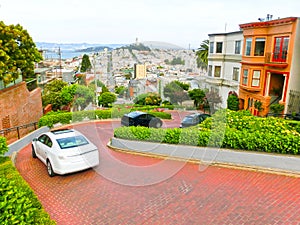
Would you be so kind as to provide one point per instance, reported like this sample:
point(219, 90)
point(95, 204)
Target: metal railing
point(18, 129)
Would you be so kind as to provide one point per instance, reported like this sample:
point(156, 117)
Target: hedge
point(3, 146)
point(18, 203)
point(226, 129)
point(62, 117)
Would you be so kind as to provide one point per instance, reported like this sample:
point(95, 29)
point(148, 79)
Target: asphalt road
point(190, 195)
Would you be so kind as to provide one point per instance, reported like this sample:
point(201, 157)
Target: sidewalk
point(269, 162)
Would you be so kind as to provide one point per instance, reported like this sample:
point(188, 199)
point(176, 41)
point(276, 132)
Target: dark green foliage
point(3, 146)
point(198, 96)
point(148, 99)
point(161, 115)
point(107, 98)
point(85, 63)
point(202, 54)
point(18, 53)
point(52, 118)
point(176, 91)
point(18, 203)
point(52, 94)
point(231, 129)
point(277, 108)
point(233, 102)
point(175, 61)
point(121, 90)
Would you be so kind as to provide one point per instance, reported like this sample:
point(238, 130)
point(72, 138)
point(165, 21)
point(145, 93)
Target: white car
point(65, 151)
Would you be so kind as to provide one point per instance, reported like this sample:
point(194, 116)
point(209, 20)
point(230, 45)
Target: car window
point(149, 116)
point(48, 142)
point(143, 117)
point(70, 142)
point(187, 119)
point(43, 138)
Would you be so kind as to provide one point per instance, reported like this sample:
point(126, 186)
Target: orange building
point(270, 71)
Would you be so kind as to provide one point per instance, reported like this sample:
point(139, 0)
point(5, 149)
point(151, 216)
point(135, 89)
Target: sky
point(185, 23)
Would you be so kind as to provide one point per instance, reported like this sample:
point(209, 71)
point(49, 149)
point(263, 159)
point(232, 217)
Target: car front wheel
point(50, 169)
point(33, 152)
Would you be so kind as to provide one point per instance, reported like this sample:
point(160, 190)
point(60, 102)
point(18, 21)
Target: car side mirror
point(34, 139)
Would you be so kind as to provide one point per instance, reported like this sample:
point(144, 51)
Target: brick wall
point(18, 106)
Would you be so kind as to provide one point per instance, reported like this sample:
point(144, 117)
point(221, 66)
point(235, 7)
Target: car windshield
point(70, 142)
point(188, 119)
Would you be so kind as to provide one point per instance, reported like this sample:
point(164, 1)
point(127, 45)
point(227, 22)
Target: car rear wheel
point(33, 152)
point(50, 169)
point(155, 123)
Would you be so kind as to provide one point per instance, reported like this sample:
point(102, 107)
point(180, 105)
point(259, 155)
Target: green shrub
point(18, 203)
point(161, 115)
point(3, 146)
point(277, 108)
point(52, 118)
point(233, 102)
point(228, 129)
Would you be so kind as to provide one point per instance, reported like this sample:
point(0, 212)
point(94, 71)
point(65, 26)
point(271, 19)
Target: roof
point(135, 114)
point(269, 23)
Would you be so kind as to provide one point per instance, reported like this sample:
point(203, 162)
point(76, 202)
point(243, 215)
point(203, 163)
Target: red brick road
point(212, 196)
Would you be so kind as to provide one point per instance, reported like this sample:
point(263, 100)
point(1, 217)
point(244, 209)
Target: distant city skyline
point(183, 23)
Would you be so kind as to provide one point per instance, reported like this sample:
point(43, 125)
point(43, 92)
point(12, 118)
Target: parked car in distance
point(193, 119)
point(65, 151)
point(138, 118)
point(292, 116)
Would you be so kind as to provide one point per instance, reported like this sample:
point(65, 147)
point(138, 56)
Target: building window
point(259, 46)
point(217, 71)
point(256, 78)
point(236, 73)
point(248, 46)
point(280, 49)
point(237, 47)
point(210, 70)
point(219, 47)
point(211, 47)
point(245, 77)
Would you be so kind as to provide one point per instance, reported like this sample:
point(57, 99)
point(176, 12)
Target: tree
point(198, 96)
point(67, 94)
point(83, 96)
point(99, 84)
point(212, 98)
point(176, 92)
point(85, 63)
point(121, 90)
point(233, 102)
point(148, 99)
point(107, 98)
point(18, 53)
point(202, 54)
point(52, 94)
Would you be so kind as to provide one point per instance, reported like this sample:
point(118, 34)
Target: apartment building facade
point(270, 66)
point(224, 57)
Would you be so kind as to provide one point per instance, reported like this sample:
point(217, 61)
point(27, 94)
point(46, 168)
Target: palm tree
point(202, 54)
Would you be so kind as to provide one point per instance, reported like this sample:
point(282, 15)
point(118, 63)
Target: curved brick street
point(213, 195)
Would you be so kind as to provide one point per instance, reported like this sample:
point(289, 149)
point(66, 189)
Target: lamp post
point(95, 79)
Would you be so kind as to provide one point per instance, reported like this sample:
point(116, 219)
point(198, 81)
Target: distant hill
point(86, 47)
point(94, 49)
point(138, 47)
point(161, 45)
point(74, 46)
